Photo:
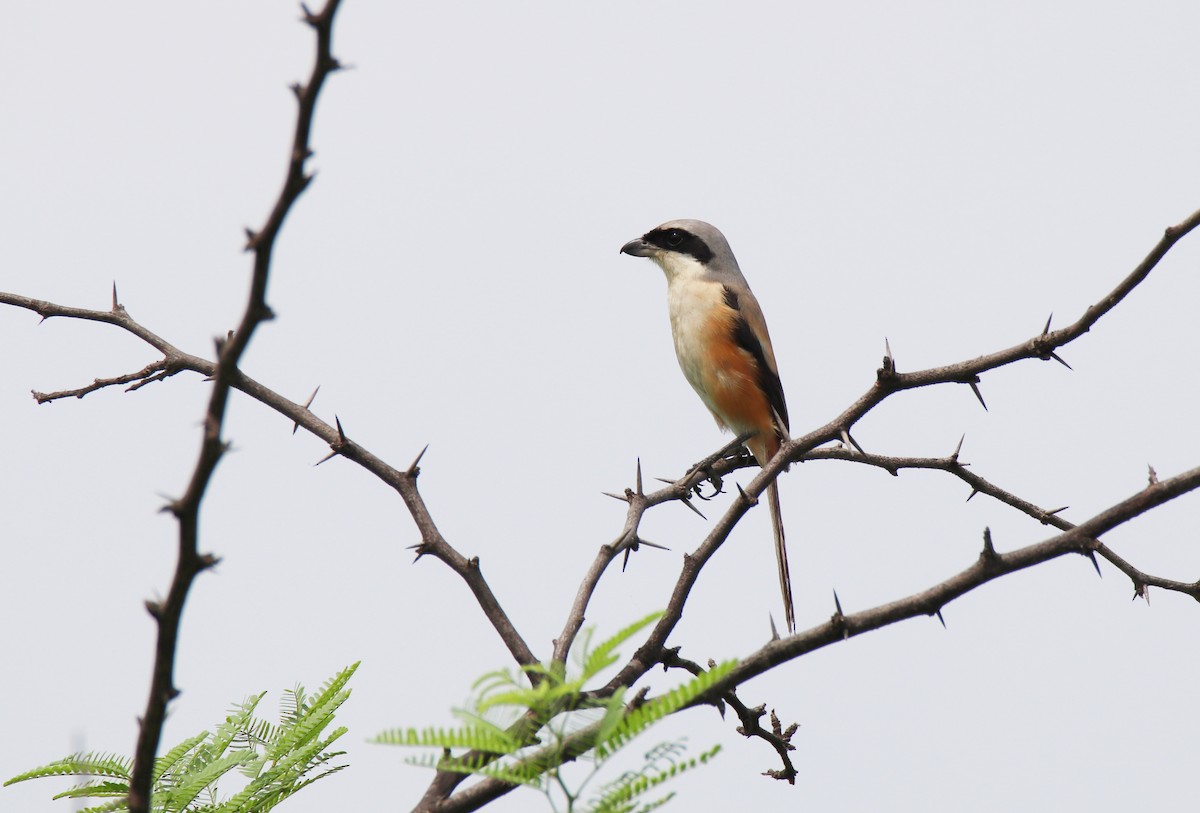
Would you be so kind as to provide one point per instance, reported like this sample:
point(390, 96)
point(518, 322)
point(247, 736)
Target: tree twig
point(777, 737)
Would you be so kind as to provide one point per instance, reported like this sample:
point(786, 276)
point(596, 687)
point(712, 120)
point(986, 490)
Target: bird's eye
point(674, 237)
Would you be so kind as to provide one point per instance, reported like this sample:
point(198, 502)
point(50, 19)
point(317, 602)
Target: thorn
point(665, 480)
point(850, 442)
point(329, 456)
point(625, 560)
point(750, 501)
point(978, 394)
point(989, 552)
point(307, 404)
point(888, 368)
point(297, 89)
point(974, 491)
point(939, 615)
point(341, 432)
point(251, 239)
point(116, 304)
point(1045, 518)
point(1153, 475)
point(839, 617)
point(958, 448)
point(1058, 358)
point(1046, 329)
point(209, 560)
point(639, 478)
point(414, 468)
point(774, 631)
point(154, 608)
point(1095, 564)
point(650, 544)
point(620, 497)
point(688, 503)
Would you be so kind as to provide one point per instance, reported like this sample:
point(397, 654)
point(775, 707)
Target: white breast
point(691, 303)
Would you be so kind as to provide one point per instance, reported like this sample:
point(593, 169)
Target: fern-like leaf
point(99, 790)
point(605, 655)
point(655, 709)
point(91, 764)
point(107, 807)
point(313, 718)
point(280, 780)
point(180, 797)
point(619, 796)
point(491, 739)
point(185, 777)
point(239, 720)
point(515, 774)
point(170, 760)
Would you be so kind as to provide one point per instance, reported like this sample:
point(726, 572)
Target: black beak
point(637, 248)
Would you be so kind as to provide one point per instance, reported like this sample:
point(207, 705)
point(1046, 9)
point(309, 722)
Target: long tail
point(785, 577)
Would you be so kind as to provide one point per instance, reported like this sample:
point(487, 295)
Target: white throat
point(680, 267)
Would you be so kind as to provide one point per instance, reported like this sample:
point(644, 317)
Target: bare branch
point(187, 508)
point(154, 371)
point(1079, 540)
point(777, 737)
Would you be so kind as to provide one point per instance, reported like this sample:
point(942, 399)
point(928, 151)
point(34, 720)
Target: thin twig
point(777, 737)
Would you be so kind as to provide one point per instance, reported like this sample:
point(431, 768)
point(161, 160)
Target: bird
point(723, 348)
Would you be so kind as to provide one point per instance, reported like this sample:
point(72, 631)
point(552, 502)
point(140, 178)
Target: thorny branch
point(187, 508)
point(708, 471)
point(989, 566)
point(777, 737)
point(888, 382)
point(1081, 539)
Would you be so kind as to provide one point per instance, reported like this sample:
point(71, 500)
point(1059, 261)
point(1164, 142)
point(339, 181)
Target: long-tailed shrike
point(722, 345)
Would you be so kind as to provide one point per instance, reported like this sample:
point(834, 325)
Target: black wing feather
point(768, 379)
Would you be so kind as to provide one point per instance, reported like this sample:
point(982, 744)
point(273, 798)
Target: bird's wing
point(750, 333)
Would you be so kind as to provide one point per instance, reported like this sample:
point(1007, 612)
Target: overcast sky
point(945, 175)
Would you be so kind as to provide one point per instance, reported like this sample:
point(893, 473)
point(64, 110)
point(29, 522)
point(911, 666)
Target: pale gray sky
point(942, 174)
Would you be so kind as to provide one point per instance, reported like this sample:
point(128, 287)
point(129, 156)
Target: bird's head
point(684, 248)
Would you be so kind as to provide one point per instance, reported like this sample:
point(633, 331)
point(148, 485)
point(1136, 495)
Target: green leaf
point(491, 739)
point(99, 790)
point(641, 718)
point(169, 760)
point(191, 769)
point(91, 764)
point(604, 655)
